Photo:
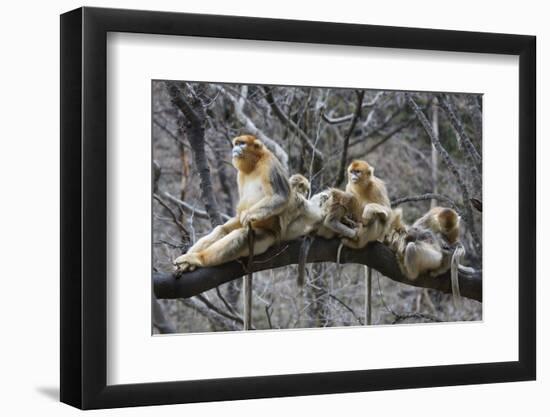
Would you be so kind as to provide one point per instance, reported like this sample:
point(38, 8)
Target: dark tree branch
point(348, 117)
point(291, 125)
point(389, 135)
point(195, 117)
point(427, 196)
point(344, 159)
point(375, 255)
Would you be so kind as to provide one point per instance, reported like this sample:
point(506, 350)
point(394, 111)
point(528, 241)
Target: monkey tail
point(302, 259)
point(247, 287)
point(338, 264)
point(455, 265)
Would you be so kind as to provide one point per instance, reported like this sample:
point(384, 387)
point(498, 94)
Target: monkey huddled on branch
point(277, 208)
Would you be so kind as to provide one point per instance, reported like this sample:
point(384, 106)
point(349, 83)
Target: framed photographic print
point(258, 208)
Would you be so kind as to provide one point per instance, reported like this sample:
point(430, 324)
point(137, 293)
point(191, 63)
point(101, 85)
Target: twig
point(473, 154)
point(183, 230)
point(215, 309)
point(188, 208)
point(348, 117)
point(210, 314)
point(225, 302)
point(401, 317)
point(291, 125)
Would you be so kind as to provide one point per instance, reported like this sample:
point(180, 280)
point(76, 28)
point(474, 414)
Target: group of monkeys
point(278, 208)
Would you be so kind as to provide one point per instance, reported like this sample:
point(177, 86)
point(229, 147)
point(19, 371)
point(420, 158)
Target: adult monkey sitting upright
point(264, 194)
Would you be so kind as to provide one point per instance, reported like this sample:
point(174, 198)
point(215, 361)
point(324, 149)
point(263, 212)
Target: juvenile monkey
point(370, 192)
point(360, 214)
point(264, 194)
point(329, 213)
point(303, 216)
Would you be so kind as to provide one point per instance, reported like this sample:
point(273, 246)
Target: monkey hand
point(355, 241)
point(186, 262)
point(248, 218)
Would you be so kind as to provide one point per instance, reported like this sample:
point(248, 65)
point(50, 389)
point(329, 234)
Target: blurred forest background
point(318, 131)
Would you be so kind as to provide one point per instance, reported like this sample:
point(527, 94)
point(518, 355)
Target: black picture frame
point(84, 207)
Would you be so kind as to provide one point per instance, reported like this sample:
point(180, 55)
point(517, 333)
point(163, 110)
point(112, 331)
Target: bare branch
point(212, 316)
point(215, 309)
point(273, 146)
point(291, 125)
point(471, 153)
point(181, 227)
point(349, 117)
point(389, 135)
point(427, 196)
point(189, 209)
point(375, 255)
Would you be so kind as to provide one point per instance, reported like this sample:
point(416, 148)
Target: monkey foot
point(186, 263)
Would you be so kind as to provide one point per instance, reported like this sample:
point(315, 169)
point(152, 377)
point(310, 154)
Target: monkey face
point(246, 144)
point(299, 184)
point(359, 172)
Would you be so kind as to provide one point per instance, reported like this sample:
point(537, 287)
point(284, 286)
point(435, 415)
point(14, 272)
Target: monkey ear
point(257, 144)
point(371, 170)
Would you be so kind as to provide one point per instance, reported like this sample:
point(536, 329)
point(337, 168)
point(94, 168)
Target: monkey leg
point(334, 224)
point(215, 235)
point(421, 257)
point(230, 247)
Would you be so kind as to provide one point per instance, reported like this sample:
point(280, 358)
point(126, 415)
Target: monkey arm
point(218, 233)
point(265, 208)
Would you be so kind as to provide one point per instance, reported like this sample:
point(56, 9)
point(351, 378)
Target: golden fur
point(377, 217)
point(264, 194)
point(428, 245)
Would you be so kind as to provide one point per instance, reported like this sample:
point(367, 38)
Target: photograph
point(303, 207)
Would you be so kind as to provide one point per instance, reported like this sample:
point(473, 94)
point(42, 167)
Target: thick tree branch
point(375, 255)
point(196, 118)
